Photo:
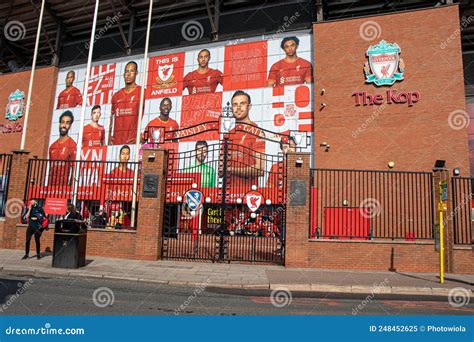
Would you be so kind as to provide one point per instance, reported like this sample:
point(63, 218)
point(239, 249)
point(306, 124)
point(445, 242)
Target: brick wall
point(2, 225)
point(413, 137)
point(463, 260)
point(42, 103)
point(14, 204)
point(373, 256)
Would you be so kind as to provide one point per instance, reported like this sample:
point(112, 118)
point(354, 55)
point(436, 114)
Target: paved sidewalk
point(241, 276)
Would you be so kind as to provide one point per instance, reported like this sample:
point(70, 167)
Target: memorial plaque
point(150, 186)
point(297, 193)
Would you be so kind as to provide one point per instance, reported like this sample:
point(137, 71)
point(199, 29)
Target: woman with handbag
point(35, 216)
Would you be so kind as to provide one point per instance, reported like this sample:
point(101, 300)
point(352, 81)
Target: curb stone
point(322, 288)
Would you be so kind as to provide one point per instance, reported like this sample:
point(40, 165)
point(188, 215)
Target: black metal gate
point(242, 216)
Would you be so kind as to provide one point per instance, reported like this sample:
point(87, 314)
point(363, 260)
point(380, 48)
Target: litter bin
point(70, 238)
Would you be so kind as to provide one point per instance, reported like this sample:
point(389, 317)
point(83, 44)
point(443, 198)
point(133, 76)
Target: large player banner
point(183, 89)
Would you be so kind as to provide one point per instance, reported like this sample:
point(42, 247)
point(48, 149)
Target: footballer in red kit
point(121, 172)
point(71, 96)
point(275, 177)
point(245, 164)
point(125, 109)
point(164, 120)
point(203, 79)
point(93, 133)
point(61, 152)
point(291, 69)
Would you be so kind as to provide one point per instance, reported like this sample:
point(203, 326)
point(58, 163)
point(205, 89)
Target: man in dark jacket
point(72, 214)
point(35, 216)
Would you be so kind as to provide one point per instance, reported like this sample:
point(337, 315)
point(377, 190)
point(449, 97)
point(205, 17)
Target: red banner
point(101, 84)
point(201, 108)
point(245, 66)
point(165, 76)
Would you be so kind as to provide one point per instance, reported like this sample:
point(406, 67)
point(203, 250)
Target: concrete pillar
point(297, 209)
point(151, 205)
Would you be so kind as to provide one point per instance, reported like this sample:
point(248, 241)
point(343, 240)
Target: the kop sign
point(384, 67)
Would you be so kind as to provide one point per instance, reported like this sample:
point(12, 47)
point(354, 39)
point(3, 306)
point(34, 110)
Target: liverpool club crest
point(15, 106)
point(165, 76)
point(384, 66)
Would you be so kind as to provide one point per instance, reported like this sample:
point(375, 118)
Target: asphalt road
point(82, 296)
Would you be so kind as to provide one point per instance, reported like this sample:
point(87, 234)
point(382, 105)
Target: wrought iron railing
point(366, 205)
point(103, 189)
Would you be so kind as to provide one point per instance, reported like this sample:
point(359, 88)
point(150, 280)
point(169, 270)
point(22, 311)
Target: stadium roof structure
point(121, 24)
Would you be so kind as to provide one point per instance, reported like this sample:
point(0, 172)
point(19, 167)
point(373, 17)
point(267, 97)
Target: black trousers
point(30, 231)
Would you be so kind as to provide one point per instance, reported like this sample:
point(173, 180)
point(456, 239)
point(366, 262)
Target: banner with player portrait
point(272, 77)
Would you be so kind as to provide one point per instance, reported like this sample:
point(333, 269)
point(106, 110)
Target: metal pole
point(223, 226)
point(84, 103)
point(441, 208)
point(32, 76)
point(441, 247)
point(140, 114)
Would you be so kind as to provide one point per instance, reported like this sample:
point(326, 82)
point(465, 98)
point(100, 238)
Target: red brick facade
point(42, 103)
point(411, 136)
point(364, 255)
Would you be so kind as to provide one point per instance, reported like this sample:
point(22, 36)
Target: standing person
point(71, 96)
point(35, 216)
point(62, 152)
point(291, 69)
point(94, 134)
point(203, 79)
point(245, 160)
point(72, 214)
point(208, 174)
point(125, 109)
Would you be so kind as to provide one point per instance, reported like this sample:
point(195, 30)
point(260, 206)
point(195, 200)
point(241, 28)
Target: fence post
point(440, 175)
point(14, 204)
point(297, 209)
point(151, 204)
